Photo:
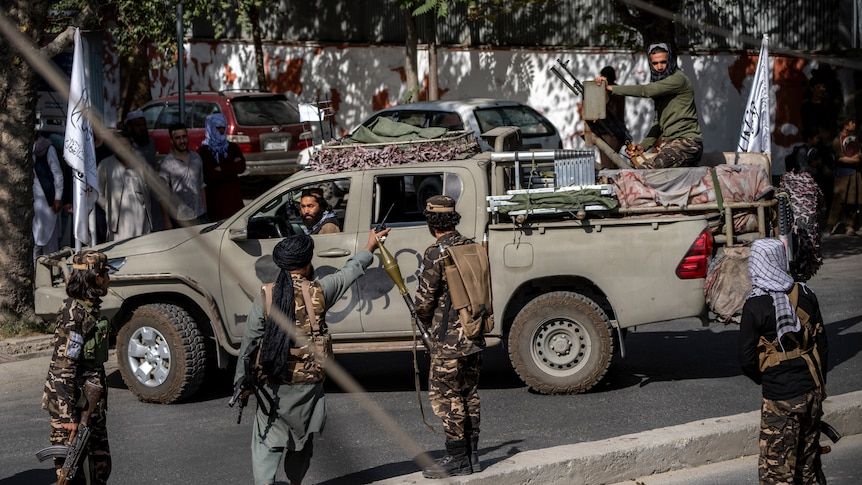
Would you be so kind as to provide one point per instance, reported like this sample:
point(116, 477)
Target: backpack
point(469, 280)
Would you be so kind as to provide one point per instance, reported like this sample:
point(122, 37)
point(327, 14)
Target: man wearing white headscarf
point(47, 197)
point(782, 347)
point(675, 133)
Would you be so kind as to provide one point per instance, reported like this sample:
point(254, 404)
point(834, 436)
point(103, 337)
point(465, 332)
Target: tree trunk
point(254, 18)
point(135, 79)
point(433, 94)
point(18, 97)
point(411, 71)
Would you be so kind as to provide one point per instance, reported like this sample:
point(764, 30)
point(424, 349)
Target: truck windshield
point(264, 110)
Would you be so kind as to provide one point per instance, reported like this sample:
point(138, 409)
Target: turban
point(293, 252)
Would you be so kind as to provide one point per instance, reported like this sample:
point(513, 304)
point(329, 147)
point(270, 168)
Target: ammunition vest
point(770, 353)
point(307, 357)
point(95, 331)
point(468, 276)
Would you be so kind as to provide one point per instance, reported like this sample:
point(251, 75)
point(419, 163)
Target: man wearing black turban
point(292, 362)
point(675, 133)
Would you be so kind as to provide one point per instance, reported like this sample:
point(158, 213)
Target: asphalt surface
point(673, 373)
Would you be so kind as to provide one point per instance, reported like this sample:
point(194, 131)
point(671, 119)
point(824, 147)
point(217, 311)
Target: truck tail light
point(244, 142)
point(306, 139)
point(695, 263)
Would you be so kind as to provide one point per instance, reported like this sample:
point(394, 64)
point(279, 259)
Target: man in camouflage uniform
point(292, 365)
point(783, 348)
point(80, 351)
point(456, 359)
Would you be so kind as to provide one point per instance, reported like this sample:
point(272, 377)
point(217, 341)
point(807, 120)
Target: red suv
point(266, 126)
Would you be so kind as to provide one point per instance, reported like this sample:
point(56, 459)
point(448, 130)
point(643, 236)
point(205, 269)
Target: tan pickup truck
point(564, 288)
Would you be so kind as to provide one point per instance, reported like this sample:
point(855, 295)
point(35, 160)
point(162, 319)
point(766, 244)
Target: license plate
point(271, 145)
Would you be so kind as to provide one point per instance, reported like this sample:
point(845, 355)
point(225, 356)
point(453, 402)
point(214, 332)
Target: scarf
point(326, 217)
point(291, 253)
point(671, 63)
point(215, 140)
point(767, 269)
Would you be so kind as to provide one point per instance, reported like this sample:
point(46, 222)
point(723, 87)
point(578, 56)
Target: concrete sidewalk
point(20, 348)
point(643, 454)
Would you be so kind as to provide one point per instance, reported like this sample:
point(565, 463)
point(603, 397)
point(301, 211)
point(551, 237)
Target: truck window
point(406, 194)
point(280, 217)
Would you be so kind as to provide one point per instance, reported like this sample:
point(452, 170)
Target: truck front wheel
point(161, 354)
point(560, 342)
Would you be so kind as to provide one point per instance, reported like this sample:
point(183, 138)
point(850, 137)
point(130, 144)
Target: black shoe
point(454, 464)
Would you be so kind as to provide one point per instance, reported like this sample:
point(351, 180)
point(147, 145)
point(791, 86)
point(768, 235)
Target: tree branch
point(65, 37)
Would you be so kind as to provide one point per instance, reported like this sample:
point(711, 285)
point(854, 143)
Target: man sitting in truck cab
point(317, 218)
point(675, 133)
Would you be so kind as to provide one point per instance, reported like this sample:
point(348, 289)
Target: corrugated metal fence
point(806, 25)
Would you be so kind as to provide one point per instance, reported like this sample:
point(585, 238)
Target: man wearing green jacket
point(675, 134)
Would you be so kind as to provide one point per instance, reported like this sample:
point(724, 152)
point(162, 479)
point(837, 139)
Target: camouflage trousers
point(681, 152)
point(453, 388)
point(790, 440)
point(98, 463)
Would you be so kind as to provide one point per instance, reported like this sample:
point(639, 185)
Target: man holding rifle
point(456, 358)
point(675, 134)
point(80, 351)
point(288, 366)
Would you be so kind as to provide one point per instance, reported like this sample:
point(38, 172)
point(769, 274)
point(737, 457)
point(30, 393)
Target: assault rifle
point(75, 452)
point(390, 265)
point(249, 386)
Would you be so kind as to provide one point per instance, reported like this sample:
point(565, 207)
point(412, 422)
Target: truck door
point(250, 239)
point(402, 195)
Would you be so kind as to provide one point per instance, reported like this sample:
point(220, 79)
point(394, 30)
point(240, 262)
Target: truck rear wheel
point(560, 342)
point(161, 354)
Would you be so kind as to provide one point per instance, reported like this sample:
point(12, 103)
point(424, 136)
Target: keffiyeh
point(767, 267)
point(215, 139)
point(671, 68)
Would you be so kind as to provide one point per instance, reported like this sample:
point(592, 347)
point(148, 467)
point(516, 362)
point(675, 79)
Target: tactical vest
point(94, 351)
point(306, 360)
point(770, 353)
point(468, 277)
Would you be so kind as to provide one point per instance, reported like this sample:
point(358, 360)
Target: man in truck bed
point(675, 134)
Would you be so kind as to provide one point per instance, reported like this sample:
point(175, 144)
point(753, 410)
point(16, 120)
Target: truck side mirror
point(238, 234)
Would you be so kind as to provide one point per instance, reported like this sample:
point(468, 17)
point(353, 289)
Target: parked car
point(478, 115)
point(266, 126)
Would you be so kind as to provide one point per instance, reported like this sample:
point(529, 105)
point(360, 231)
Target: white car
point(478, 115)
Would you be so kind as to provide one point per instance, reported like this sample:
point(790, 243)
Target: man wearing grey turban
point(782, 347)
point(675, 133)
point(290, 363)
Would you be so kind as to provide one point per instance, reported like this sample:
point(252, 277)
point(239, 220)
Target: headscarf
point(291, 253)
point(767, 267)
point(671, 62)
point(214, 139)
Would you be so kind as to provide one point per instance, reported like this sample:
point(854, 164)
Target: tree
point(249, 17)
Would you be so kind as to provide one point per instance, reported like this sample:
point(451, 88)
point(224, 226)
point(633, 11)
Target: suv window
point(527, 119)
point(280, 216)
point(197, 113)
point(151, 114)
point(403, 197)
point(264, 110)
point(169, 116)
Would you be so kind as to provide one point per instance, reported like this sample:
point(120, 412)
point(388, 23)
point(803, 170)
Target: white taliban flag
point(78, 147)
point(756, 133)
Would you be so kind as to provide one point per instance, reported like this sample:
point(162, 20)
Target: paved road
point(673, 373)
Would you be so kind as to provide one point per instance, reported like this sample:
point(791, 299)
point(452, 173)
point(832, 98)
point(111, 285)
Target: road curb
point(646, 453)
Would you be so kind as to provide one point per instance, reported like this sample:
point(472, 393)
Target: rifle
point(249, 385)
point(74, 453)
point(390, 265)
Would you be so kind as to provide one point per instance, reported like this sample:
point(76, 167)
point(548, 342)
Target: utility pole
point(180, 67)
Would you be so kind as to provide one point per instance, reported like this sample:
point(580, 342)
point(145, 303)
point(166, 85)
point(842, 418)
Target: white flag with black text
point(756, 132)
point(78, 147)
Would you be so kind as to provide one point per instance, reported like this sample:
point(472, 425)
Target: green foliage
point(17, 326)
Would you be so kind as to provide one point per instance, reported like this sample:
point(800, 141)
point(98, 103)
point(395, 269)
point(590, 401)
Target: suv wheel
point(161, 354)
point(560, 342)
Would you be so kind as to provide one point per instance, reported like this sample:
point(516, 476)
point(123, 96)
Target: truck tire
point(560, 343)
point(161, 354)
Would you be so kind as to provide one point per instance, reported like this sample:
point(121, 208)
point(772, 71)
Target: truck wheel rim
point(149, 356)
point(560, 347)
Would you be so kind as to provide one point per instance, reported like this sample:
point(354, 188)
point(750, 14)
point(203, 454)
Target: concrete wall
point(362, 79)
